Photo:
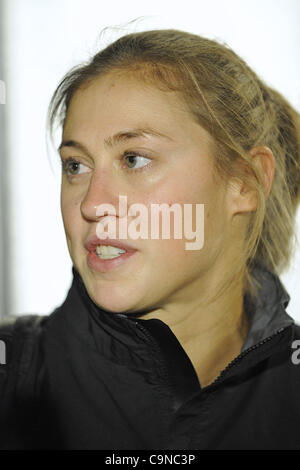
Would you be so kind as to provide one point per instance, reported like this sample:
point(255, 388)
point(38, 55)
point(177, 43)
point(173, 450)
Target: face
point(171, 164)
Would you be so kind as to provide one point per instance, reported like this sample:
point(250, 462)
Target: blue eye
point(133, 163)
point(72, 167)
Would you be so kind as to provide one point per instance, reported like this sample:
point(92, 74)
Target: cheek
point(199, 189)
point(182, 193)
point(173, 251)
point(70, 209)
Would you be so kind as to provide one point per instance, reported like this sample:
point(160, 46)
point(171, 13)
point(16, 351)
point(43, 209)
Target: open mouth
point(108, 251)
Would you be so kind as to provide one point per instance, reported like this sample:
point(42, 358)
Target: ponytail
point(288, 123)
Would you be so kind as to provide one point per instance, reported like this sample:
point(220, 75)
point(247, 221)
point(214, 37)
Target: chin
point(114, 296)
point(112, 300)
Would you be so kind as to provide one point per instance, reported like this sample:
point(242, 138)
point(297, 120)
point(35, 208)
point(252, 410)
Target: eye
point(73, 167)
point(135, 161)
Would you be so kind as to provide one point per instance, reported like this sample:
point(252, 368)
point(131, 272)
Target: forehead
point(123, 97)
point(115, 103)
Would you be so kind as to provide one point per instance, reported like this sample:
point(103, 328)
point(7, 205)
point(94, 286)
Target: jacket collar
point(126, 338)
point(266, 314)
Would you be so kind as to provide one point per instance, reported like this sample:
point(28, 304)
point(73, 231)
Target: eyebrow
point(117, 138)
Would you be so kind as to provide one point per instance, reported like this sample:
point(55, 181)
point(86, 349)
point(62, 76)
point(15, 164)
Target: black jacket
point(97, 380)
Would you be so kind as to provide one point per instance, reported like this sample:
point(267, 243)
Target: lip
point(105, 265)
point(93, 241)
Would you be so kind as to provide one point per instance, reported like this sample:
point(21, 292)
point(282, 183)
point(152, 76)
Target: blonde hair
point(235, 106)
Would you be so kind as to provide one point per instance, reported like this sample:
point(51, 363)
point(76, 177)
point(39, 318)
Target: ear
point(244, 198)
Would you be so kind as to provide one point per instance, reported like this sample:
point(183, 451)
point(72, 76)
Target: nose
point(101, 191)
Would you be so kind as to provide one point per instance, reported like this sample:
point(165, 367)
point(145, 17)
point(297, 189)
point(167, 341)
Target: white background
point(44, 39)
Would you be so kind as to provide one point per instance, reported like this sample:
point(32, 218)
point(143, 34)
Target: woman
point(158, 346)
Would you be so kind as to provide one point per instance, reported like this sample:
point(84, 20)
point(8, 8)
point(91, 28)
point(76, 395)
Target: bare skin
point(162, 278)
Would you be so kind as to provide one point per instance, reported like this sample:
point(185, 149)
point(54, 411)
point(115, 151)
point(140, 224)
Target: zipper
point(238, 359)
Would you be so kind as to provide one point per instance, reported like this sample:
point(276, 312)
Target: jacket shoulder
point(16, 332)
point(18, 336)
point(296, 327)
point(21, 322)
point(13, 326)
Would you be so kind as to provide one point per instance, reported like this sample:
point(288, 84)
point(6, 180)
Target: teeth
point(108, 252)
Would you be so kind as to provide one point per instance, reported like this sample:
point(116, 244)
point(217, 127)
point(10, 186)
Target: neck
point(211, 332)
